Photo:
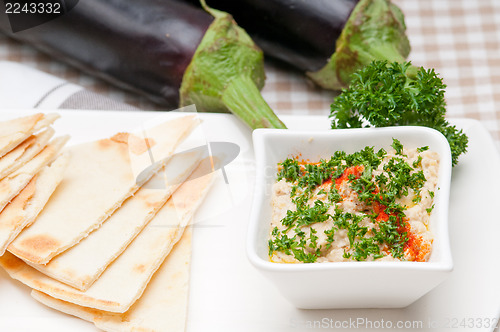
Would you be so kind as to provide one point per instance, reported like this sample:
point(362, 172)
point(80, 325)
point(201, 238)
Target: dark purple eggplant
point(328, 39)
point(299, 32)
point(167, 50)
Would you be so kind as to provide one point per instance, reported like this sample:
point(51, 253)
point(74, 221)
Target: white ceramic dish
point(347, 284)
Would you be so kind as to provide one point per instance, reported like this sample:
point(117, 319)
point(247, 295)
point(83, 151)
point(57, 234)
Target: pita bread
point(82, 264)
point(123, 282)
point(15, 131)
point(97, 181)
point(11, 185)
point(161, 308)
point(23, 209)
point(24, 152)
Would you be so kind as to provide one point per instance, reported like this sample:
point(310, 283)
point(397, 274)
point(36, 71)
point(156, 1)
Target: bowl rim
point(260, 137)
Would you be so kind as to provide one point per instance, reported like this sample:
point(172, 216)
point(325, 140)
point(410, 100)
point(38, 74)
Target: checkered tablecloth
point(459, 38)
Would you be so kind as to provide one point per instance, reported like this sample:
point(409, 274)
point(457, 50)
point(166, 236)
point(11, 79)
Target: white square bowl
point(347, 284)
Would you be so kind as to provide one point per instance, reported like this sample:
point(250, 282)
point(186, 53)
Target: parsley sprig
point(385, 94)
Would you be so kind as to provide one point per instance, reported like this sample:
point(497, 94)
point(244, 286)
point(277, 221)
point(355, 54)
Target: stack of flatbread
point(101, 232)
point(31, 167)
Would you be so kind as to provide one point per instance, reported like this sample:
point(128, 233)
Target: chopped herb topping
point(417, 162)
point(318, 191)
point(397, 146)
point(290, 170)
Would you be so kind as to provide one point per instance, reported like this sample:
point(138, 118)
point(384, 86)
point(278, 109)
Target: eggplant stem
point(242, 97)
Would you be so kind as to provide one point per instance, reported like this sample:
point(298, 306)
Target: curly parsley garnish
point(385, 94)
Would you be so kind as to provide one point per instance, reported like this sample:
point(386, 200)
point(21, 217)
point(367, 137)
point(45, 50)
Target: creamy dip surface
point(366, 206)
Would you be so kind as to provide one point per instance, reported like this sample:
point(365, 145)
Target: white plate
point(228, 294)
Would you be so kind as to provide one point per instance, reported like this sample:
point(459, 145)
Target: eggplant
point(327, 39)
point(175, 53)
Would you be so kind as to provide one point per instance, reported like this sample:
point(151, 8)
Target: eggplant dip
point(366, 206)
